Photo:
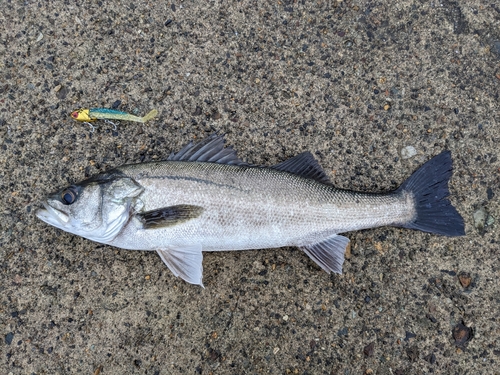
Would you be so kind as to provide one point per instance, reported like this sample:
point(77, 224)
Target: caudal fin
point(150, 115)
point(429, 187)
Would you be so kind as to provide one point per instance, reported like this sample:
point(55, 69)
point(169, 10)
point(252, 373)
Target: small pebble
point(62, 93)
point(490, 220)
point(198, 111)
point(412, 353)
point(8, 338)
point(465, 279)
point(461, 334)
point(496, 47)
point(408, 152)
point(480, 218)
point(490, 193)
point(369, 349)
point(431, 358)
point(347, 254)
point(409, 336)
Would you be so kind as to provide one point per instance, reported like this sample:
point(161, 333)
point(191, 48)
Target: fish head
point(82, 114)
point(96, 209)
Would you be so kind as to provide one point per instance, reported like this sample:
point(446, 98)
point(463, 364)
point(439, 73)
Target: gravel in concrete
point(354, 82)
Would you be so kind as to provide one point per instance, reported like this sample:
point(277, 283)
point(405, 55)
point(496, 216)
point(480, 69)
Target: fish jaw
point(52, 216)
point(56, 218)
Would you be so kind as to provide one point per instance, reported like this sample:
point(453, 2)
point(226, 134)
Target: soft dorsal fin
point(304, 165)
point(210, 150)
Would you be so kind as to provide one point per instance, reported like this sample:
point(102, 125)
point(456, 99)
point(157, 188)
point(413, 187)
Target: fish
point(89, 115)
point(204, 198)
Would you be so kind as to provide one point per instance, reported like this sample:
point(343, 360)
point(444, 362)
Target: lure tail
point(429, 187)
point(150, 115)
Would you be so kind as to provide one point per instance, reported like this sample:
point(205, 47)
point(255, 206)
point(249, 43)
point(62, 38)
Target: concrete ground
point(372, 88)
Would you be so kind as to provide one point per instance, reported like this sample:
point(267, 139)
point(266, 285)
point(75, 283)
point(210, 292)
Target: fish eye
point(68, 196)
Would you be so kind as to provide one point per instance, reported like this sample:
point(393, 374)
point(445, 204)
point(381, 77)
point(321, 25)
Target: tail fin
point(150, 115)
point(429, 186)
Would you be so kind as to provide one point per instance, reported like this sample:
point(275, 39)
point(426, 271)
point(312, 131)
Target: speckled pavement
point(372, 88)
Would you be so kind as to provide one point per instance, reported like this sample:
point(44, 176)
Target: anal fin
point(184, 262)
point(329, 253)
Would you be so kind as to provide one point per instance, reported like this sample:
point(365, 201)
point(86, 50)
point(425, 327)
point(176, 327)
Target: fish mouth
point(52, 216)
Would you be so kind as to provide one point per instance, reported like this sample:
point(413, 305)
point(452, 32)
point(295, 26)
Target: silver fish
point(204, 198)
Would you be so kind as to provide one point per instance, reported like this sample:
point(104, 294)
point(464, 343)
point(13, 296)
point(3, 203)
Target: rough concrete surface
point(372, 88)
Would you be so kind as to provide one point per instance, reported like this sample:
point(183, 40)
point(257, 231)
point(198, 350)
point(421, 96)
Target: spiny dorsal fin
point(304, 165)
point(169, 216)
point(210, 150)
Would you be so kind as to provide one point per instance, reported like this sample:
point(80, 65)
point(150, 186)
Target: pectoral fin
point(328, 254)
point(169, 216)
point(184, 262)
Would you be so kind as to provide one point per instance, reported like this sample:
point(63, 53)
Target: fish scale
point(253, 208)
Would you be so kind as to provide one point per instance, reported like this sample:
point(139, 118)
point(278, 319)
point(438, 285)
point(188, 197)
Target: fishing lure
point(88, 115)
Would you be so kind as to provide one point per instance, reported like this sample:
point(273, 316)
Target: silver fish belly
point(206, 199)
